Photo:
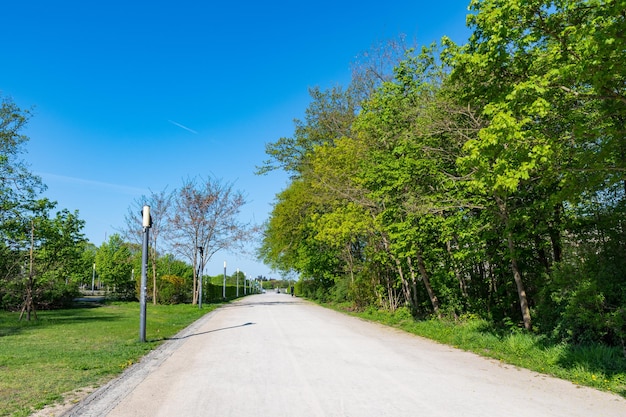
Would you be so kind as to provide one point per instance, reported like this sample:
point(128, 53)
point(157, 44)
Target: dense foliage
point(484, 179)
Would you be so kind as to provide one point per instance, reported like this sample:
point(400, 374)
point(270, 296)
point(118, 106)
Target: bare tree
point(375, 66)
point(205, 216)
point(160, 204)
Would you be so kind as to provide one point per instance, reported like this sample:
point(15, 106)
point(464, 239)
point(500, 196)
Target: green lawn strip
point(65, 350)
point(598, 366)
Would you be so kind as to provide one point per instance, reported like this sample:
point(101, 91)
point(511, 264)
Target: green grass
point(65, 350)
point(598, 366)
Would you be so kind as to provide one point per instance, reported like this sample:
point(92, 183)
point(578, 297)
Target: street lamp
point(224, 286)
point(146, 223)
point(93, 277)
point(237, 282)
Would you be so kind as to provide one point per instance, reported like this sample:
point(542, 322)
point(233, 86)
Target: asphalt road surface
point(272, 355)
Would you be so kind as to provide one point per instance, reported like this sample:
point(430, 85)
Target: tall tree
point(330, 114)
point(328, 117)
point(206, 215)
point(410, 169)
point(288, 243)
point(17, 183)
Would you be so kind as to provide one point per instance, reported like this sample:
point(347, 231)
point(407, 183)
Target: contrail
point(183, 127)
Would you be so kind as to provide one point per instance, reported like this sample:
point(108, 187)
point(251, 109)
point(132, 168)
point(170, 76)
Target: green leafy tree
point(548, 78)
point(328, 117)
point(174, 279)
point(17, 183)
point(114, 266)
point(18, 189)
point(47, 252)
point(495, 180)
point(410, 170)
point(41, 254)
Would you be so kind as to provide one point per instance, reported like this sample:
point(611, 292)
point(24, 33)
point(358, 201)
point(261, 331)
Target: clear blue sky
point(132, 96)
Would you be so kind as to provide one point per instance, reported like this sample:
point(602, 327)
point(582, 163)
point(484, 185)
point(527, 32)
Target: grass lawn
point(69, 349)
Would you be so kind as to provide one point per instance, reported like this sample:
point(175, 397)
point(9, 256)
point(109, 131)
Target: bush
point(57, 296)
point(48, 295)
point(172, 290)
point(584, 303)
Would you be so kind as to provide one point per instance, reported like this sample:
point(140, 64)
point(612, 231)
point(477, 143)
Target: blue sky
point(136, 96)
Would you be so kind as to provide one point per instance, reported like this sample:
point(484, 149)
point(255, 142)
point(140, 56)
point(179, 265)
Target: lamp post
point(237, 282)
point(200, 273)
point(146, 223)
point(224, 286)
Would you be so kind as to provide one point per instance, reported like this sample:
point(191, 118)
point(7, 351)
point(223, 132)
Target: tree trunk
point(393, 302)
point(455, 266)
point(154, 277)
point(555, 235)
point(350, 262)
point(421, 265)
point(391, 296)
point(541, 254)
point(517, 275)
point(29, 304)
point(414, 299)
point(405, 284)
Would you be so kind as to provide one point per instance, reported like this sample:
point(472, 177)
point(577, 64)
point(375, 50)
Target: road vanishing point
point(272, 355)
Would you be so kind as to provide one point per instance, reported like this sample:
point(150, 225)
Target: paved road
point(272, 355)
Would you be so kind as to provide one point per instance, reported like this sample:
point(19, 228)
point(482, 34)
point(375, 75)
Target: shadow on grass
point(604, 361)
point(9, 331)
